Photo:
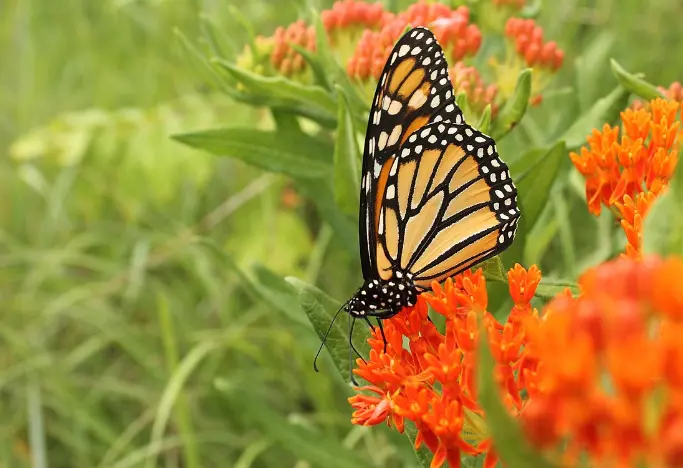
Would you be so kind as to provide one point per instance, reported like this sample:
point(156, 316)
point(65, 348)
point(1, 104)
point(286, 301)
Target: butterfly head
point(383, 298)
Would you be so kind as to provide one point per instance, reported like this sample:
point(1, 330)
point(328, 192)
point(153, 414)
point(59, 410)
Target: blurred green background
point(134, 330)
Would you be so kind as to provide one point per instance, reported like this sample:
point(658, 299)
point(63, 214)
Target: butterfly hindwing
point(449, 204)
point(414, 90)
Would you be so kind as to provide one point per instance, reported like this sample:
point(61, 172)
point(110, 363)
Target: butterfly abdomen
point(383, 298)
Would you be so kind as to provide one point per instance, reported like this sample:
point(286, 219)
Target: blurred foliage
point(145, 319)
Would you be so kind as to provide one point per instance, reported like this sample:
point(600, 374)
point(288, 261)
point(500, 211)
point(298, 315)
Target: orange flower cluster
point(432, 382)
point(528, 38)
point(349, 13)
point(605, 370)
point(468, 80)
point(451, 27)
point(628, 173)
point(284, 58)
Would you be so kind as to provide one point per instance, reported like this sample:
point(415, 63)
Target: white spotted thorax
point(379, 298)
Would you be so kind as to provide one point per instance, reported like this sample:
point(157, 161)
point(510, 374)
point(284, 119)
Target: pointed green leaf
point(534, 175)
point(663, 225)
point(306, 444)
point(493, 269)
point(313, 61)
point(321, 193)
point(346, 161)
point(281, 87)
point(531, 10)
point(279, 294)
point(485, 120)
point(635, 85)
point(515, 108)
point(507, 435)
point(321, 310)
point(286, 122)
point(605, 110)
point(294, 154)
point(591, 67)
point(423, 455)
point(549, 288)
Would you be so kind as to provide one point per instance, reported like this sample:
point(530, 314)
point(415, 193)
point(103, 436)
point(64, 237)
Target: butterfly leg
point(381, 329)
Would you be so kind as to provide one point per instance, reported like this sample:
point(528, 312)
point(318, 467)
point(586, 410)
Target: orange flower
point(431, 382)
point(606, 380)
point(527, 48)
point(528, 37)
point(479, 95)
point(351, 13)
point(451, 28)
point(284, 58)
point(630, 171)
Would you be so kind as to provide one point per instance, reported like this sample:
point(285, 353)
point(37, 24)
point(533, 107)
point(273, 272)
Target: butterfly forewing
point(449, 204)
point(414, 90)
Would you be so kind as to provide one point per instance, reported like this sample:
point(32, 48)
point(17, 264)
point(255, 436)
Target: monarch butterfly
point(435, 198)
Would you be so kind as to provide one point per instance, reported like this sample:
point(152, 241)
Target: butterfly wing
point(414, 90)
point(449, 204)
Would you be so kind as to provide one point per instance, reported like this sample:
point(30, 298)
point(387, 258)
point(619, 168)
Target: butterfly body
point(383, 298)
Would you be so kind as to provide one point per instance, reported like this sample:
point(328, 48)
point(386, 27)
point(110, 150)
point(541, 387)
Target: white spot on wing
point(382, 143)
point(395, 135)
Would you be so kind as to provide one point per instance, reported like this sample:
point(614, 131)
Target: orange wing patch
point(418, 226)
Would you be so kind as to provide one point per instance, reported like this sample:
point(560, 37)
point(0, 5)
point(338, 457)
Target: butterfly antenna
point(315, 361)
point(352, 322)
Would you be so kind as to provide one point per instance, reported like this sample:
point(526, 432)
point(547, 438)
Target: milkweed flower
point(605, 380)
point(627, 167)
point(468, 80)
point(526, 47)
point(451, 27)
point(348, 14)
point(284, 57)
point(431, 382)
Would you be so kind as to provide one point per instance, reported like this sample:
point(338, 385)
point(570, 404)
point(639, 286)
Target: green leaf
point(316, 65)
point(423, 455)
point(281, 87)
point(285, 121)
point(493, 269)
point(591, 67)
point(515, 108)
point(294, 154)
point(485, 120)
point(335, 74)
point(635, 85)
point(320, 192)
point(605, 110)
point(534, 174)
point(347, 161)
point(321, 309)
point(508, 438)
point(549, 288)
point(663, 225)
point(279, 294)
point(306, 444)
